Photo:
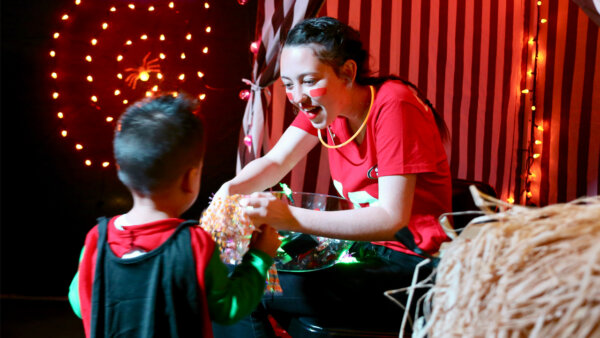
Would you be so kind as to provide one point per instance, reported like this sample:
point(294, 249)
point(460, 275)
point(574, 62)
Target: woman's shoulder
point(397, 92)
point(396, 89)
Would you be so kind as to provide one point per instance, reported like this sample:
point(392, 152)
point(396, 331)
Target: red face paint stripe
point(290, 96)
point(318, 92)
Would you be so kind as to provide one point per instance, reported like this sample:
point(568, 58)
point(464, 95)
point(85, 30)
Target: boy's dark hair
point(335, 43)
point(156, 140)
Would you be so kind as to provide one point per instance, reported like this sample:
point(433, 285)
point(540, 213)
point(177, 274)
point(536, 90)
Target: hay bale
point(530, 273)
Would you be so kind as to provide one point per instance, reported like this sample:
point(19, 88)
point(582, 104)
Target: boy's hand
point(266, 240)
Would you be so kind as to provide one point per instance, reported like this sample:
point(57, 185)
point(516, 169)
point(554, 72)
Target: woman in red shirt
point(386, 155)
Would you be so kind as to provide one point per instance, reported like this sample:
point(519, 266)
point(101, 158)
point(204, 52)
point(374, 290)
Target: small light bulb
point(78, 146)
point(162, 37)
point(162, 56)
point(105, 164)
point(90, 78)
point(55, 95)
point(205, 50)
point(94, 98)
point(77, 2)
point(182, 56)
point(113, 9)
point(171, 4)
point(540, 128)
point(175, 94)
point(104, 25)
point(94, 42)
point(208, 29)
point(202, 96)
point(206, 5)
point(155, 88)
point(200, 74)
point(117, 92)
point(125, 101)
point(119, 58)
point(88, 58)
point(538, 142)
point(148, 93)
point(60, 115)
point(188, 36)
point(533, 108)
point(525, 91)
point(144, 76)
point(63, 133)
point(119, 76)
point(144, 37)
point(536, 155)
point(543, 21)
point(539, 3)
point(159, 76)
point(65, 17)
point(151, 9)
point(132, 6)
point(56, 35)
point(54, 75)
point(529, 194)
point(88, 163)
point(181, 77)
point(128, 42)
point(510, 200)
point(52, 53)
point(109, 119)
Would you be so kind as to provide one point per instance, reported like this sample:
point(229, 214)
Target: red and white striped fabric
point(568, 105)
point(275, 18)
point(471, 59)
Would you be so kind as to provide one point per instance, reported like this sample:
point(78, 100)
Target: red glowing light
point(111, 72)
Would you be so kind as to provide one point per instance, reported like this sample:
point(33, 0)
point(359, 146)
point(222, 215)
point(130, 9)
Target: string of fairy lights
point(106, 55)
point(533, 151)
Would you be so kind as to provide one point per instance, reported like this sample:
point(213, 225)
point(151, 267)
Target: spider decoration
point(142, 72)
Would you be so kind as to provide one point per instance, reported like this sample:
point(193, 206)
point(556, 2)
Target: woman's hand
point(223, 191)
point(264, 208)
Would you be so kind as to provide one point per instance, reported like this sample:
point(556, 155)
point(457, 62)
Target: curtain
point(275, 18)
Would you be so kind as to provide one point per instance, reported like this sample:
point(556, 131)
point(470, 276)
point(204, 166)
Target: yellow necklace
point(362, 126)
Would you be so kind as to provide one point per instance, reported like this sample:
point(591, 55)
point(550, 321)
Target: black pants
point(344, 292)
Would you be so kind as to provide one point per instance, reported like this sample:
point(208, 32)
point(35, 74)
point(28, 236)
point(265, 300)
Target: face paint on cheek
point(317, 92)
point(290, 96)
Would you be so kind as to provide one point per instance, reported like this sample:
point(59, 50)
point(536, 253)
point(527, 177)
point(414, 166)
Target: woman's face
point(311, 85)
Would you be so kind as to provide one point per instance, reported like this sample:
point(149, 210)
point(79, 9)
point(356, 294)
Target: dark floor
point(38, 317)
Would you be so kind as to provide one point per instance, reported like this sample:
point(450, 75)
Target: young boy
point(148, 273)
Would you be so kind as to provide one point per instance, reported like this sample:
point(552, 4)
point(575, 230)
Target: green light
point(287, 191)
point(346, 258)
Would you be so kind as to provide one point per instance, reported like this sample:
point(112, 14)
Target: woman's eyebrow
point(299, 76)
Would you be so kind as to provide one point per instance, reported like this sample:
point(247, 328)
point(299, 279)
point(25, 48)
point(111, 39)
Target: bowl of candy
point(303, 252)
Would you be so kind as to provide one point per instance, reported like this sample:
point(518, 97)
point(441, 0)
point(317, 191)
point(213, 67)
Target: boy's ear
point(187, 183)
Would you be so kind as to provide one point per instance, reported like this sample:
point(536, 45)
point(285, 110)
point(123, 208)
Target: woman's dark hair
point(156, 140)
point(334, 43)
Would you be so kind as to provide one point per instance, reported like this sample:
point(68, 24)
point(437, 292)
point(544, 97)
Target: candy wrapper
point(231, 229)
point(302, 252)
